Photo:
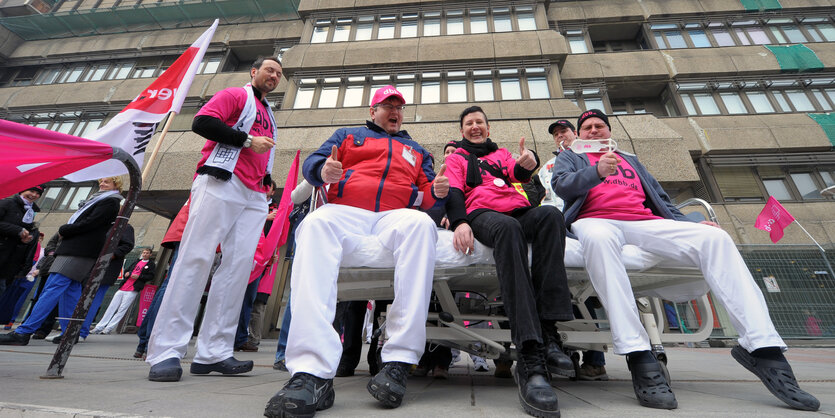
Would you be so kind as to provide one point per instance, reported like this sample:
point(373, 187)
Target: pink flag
point(281, 224)
point(30, 156)
point(773, 218)
point(132, 129)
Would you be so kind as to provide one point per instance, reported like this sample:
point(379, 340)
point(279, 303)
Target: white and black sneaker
point(301, 397)
point(389, 385)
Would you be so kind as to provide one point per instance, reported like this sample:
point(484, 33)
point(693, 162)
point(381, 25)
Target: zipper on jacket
point(383, 178)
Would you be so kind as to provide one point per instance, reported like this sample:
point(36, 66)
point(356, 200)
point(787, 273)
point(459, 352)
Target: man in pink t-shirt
point(228, 207)
point(612, 200)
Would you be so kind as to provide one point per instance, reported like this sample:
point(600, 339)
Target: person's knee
point(549, 216)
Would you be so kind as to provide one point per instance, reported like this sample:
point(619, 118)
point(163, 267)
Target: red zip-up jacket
point(379, 171)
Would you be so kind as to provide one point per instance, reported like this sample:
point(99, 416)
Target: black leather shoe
point(168, 370)
point(389, 385)
point(14, 338)
point(228, 366)
point(556, 360)
point(536, 395)
point(302, 396)
point(344, 371)
point(778, 377)
point(650, 385)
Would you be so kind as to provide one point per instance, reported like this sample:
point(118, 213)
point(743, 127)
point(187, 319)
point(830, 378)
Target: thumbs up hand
point(440, 187)
point(332, 169)
point(526, 159)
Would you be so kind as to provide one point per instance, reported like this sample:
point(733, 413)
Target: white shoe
point(96, 331)
point(480, 364)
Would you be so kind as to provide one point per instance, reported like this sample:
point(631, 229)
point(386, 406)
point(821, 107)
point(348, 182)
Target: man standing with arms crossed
point(228, 207)
point(377, 172)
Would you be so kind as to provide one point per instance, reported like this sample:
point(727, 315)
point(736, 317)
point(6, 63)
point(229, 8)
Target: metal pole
point(823, 252)
point(157, 145)
point(62, 354)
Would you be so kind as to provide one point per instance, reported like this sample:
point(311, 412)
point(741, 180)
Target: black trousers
point(535, 294)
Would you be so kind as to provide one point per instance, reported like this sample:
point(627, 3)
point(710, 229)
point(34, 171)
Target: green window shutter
point(761, 4)
point(795, 58)
point(827, 122)
point(736, 182)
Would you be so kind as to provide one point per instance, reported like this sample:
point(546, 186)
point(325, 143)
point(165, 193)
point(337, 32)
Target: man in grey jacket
point(612, 200)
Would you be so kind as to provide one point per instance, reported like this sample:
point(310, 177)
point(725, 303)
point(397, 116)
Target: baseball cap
point(384, 93)
point(562, 122)
point(39, 189)
point(593, 113)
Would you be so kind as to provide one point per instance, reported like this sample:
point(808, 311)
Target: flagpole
point(823, 252)
point(156, 146)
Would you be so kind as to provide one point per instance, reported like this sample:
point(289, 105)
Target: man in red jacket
point(377, 173)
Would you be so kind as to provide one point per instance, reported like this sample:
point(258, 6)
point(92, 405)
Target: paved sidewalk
point(103, 379)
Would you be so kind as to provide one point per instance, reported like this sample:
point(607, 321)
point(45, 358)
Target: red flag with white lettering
point(134, 126)
point(773, 218)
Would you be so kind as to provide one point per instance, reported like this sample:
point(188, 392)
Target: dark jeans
point(352, 334)
point(242, 335)
point(281, 349)
point(147, 326)
point(534, 294)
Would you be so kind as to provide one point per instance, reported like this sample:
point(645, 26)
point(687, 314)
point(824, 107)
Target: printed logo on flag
point(157, 98)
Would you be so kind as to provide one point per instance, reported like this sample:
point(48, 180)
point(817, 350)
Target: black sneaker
point(556, 360)
point(536, 395)
point(301, 397)
point(389, 385)
point(14, 338)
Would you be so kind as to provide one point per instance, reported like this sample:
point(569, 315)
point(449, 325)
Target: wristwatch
point(248, 142)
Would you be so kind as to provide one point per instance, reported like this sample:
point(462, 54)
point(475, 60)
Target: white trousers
point(323, 237)
point(221, 212)
point(119, 305)
point(708, 248)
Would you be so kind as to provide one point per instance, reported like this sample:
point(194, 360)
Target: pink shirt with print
point(493, 193)
point(620, 197)
point(226, 105)
point(127, 286)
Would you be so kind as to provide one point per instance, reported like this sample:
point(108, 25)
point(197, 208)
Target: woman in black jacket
point(83, 237)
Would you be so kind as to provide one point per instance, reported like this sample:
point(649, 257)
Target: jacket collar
point(377, 128)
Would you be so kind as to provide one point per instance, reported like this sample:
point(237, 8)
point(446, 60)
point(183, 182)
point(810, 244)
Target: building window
point(758, 96)
point(576, 41)
point(786, 177)
point(452, 86)
point(64, 196)
point(78, 123)
point(736, 31)
point(320, 32)
point(454, 21)
point(586, 96)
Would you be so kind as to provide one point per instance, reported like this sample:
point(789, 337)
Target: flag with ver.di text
point(773, 219)
point(132, 129)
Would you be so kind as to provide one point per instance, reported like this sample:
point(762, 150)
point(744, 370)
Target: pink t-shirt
point(621, 196)
point(127, 286)
point(226, 105)
point(493, 193)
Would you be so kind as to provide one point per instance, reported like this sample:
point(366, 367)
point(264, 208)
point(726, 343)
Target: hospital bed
point(367, 274)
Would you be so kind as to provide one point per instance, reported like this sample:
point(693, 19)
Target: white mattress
point(370, 253)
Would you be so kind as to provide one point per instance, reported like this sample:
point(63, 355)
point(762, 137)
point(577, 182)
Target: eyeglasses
point(389, 107)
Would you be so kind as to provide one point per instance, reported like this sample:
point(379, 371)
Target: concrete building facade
point(726, 100)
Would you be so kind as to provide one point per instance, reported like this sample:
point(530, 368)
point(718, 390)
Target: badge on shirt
point(408, 156)
point(498, 182)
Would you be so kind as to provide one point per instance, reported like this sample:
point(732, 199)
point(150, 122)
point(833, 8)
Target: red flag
point(132, 128)
point(773, 218)
point(281, 224)
point(30, 156)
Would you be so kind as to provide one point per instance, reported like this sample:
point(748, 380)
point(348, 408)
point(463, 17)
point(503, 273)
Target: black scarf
point(476, 151)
